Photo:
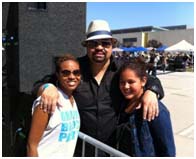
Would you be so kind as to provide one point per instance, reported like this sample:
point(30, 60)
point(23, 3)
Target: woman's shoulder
point(164, 114)
point(162, 107)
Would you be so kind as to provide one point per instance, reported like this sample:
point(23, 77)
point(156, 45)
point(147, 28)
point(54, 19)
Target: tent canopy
point(181, 46)
point(117, 49)
point(134, 49)
point(162, 48)
point(140, 48)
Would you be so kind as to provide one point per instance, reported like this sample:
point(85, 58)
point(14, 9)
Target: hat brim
point(97, 37)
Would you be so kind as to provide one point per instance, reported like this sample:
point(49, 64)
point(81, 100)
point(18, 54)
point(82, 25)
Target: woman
point(56, 134)
point(138, 137)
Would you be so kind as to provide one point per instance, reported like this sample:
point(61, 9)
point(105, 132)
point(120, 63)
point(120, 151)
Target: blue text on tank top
point(70, 126)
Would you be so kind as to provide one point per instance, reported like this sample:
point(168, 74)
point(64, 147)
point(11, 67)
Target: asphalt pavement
point(179, 99)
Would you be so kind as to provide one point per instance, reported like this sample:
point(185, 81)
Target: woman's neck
point(132, 104)
point(71, 99)
point(69, 94)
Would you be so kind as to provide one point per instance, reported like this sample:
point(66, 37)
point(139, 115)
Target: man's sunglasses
point(67, 73)
point(95, 43)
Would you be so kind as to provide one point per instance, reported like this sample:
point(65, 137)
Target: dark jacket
point(140, 138)
point(99, 104)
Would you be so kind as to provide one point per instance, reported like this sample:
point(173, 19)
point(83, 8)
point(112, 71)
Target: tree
point(154, 43)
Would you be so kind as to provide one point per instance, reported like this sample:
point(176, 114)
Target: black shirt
point(97, 113)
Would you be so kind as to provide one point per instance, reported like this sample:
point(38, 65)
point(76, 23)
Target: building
point(34, 33)
point(166, 35)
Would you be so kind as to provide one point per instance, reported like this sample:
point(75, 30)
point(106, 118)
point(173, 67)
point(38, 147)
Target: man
point(98, 95)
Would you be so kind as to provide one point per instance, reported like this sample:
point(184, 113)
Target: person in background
point(56, 134)
point(154, 59)
point(97, 96)
point(138, 137)
point(164, 62)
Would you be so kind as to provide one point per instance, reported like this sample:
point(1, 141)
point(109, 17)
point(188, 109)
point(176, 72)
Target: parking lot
point(179, 98)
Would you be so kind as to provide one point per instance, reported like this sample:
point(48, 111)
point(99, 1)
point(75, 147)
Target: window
point(37, 6)
point(129, 41)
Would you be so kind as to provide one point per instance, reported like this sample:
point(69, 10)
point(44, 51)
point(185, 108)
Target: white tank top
point(60, 137)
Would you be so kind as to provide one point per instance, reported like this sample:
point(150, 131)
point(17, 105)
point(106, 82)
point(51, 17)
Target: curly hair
point(63, 58)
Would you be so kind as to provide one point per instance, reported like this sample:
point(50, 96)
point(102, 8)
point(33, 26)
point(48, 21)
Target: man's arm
point(37, 86)
point(153, 92)
point(154, 84)
point(47, 90)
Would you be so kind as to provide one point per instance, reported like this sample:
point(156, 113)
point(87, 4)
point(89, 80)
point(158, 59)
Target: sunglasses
point(95, 43)
point(67, 73)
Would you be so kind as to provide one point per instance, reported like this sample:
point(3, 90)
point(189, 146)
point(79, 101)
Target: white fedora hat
point(98, 29)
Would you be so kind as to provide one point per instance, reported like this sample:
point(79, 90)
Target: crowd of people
point(172, 61)
point(99, 85)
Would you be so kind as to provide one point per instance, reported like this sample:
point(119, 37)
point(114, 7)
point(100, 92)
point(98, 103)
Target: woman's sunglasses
point(67, 73)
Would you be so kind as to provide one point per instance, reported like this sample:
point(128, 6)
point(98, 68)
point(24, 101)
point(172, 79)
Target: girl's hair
point(63, 58)
point(137, 65)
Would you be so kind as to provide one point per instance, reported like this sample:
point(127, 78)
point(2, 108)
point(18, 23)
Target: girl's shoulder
point(162, 107)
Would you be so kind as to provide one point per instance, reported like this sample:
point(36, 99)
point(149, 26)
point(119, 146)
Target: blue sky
point(136, 14)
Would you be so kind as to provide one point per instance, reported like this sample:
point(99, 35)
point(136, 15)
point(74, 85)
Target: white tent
point(181, 46)
point(117, 49)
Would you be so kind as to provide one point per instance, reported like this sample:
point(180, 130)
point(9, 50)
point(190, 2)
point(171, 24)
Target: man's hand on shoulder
point(150, 105)
point(49, 98)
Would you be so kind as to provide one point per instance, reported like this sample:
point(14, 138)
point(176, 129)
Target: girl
point(138, 137)
point(56, 134)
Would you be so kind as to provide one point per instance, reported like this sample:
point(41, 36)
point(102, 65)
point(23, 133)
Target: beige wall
point(173, 36)
point(120, 37)
point(165, 37)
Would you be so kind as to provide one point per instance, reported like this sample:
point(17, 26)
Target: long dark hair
point(137, 65)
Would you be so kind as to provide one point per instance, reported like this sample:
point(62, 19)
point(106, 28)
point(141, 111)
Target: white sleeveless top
point(60, 137)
